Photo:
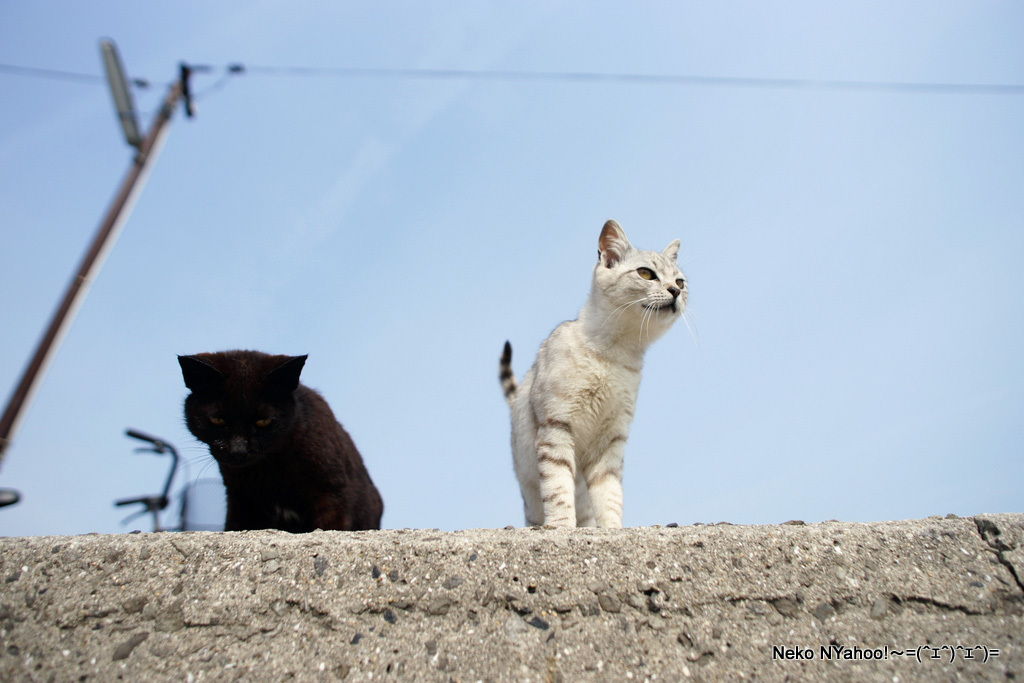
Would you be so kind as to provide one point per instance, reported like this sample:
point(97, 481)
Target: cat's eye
point(646, 273)
point(216, 421)
point(681, 284)
point(265, 422)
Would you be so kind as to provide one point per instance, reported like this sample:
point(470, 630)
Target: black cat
point(286, 461)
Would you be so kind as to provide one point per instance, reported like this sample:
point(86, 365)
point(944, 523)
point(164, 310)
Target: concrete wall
point(702, 602)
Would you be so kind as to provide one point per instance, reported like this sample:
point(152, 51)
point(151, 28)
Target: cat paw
point(560, 524)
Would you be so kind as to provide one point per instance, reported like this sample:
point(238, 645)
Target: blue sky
point(854, 255)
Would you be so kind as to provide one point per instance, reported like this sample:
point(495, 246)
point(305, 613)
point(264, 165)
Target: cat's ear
point(284, 379)
point(672, 250)
point(199, 375)
point(612, 246)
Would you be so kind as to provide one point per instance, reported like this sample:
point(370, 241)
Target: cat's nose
point(674, 291)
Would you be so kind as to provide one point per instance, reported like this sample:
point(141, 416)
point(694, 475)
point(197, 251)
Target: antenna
point(119, 89)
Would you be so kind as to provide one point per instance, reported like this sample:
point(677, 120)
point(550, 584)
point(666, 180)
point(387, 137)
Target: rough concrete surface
point(937, 599)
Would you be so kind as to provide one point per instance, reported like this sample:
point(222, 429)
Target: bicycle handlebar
point(135, 434)
point(151, 502)
point(159, 446)
point(9, 497)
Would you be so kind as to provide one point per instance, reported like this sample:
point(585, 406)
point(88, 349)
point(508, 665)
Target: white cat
point(571, 415)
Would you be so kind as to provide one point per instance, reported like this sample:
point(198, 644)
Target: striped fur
point(572, 412)
point(505, 374)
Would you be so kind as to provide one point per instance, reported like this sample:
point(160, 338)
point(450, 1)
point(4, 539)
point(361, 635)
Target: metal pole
point(91, 262)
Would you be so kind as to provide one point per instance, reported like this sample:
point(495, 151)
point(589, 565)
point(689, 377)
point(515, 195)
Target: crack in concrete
point(943, 606)
point(990, 533)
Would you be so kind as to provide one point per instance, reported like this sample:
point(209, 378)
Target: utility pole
point(117, 212)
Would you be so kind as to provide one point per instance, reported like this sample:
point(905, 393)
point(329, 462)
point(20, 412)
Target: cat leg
point(604, 482)
point(524, 461)
point(556, 463)
point(533, 506)
point(330, 514)
point(584, 509)
point(240, 517)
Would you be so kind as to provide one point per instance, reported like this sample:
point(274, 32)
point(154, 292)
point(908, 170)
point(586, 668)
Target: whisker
point(621, 308)
point(650, 319)
point(640, 330)
point(690, 329)
point(690, 318)
point(694, 313)
point(205, 466)
point(196, 459)
point(645, 319)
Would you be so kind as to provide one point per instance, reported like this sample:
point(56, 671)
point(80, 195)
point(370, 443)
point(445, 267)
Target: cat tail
point(505, 374)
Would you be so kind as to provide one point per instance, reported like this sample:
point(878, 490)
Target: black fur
point(286, 461)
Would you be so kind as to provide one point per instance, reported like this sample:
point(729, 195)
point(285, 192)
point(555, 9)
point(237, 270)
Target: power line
point(35, 72)
point(216, 85)
point(563, 77)
point(649, 79)
point(54, 74)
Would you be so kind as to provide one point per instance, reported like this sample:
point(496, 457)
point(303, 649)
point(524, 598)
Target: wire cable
point(213, 87)
point(643, 79)
point(54, 74)
point(34, 72)
point(561, 77)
